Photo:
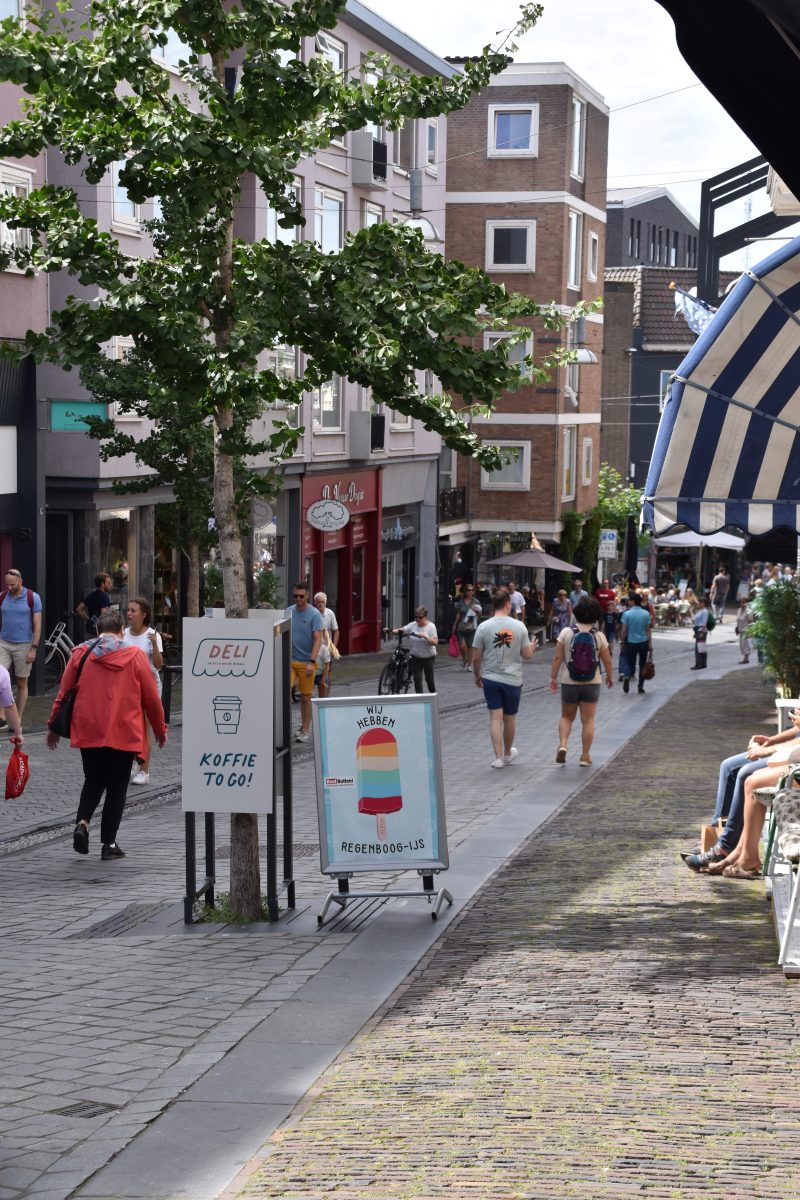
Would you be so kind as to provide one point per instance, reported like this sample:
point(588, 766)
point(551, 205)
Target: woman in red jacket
point(115, 690)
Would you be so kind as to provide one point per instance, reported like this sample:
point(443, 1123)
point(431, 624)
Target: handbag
point(649, 671)
point(61, 721)
point(452, 646)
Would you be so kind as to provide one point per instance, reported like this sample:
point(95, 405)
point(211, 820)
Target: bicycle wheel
point(387, 682)
point(54, 667)
point(405, 679)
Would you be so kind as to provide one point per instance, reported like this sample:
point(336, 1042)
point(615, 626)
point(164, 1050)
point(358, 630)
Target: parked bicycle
point(58, 648)
point(395, 678)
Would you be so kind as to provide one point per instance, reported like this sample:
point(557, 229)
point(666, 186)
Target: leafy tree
point(616, 500)
point(777, 631)
point(206, 307)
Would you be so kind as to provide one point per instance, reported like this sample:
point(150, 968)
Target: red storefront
point(346, 565)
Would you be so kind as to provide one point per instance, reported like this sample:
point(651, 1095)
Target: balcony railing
point(452, 504)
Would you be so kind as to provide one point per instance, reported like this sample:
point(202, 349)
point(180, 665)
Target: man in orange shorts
point(307, 626)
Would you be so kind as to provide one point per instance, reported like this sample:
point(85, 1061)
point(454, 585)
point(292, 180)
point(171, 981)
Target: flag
point(696, 313)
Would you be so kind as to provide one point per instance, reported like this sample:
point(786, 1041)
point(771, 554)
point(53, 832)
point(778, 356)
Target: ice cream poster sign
point(228, 716)
point(379, 784)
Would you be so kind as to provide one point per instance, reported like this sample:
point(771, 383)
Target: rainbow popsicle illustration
point(378, 776)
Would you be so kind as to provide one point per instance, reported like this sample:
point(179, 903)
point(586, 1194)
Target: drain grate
point(123, 921)
point(87, 1108)
point(301, 850)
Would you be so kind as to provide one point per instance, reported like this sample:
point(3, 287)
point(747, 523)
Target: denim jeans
point(631, 653)
point(734, 771)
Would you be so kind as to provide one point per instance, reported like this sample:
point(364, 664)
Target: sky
point(665, 127)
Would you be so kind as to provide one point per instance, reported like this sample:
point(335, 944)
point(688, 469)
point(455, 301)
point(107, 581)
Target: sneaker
point(698, 849)
point(640, 688)
point(561, 754)
point(498, 764)
point(585, 761)
point(112, 850)
point(706, 859)
point(141, 777)
point(512, 754)
point(80, 839)
point(302, 737)
point(626, 685)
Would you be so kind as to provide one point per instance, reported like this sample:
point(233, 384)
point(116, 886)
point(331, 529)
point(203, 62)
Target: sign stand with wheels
point(380, 794)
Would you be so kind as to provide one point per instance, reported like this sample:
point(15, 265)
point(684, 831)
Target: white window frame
point(20, 7)
point(575, 247)
point(663, 386)
point(120, 345)
point(489, 480)
point(123, 222)
point(577, 163)
point(511, 268)
point(370, 76)
point(158, 55)
point(572, 370)
point(492, 149)
point(587, 462)
point(399, 421)
point(492, 336)
point(289, 412)
point(569, 441)
point(429, 383)
point(403, 168)
point(367, 402)
point(432, 164)
point(336, 383)
point(593, 263)
point(323, 193)
point(20, 239)
point(330, 48)
point(368, 210)
point(275, 232)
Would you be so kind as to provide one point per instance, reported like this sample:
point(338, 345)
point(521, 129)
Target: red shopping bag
point(17, 774)
point(452, 646)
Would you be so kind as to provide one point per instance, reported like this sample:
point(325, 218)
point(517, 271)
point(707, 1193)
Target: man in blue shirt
point(636, 636)
point(307, 626)
point(20, 631)
point(578, 592)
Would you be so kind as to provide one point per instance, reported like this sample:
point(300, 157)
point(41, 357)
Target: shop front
point(399, 533)
point(345, 562)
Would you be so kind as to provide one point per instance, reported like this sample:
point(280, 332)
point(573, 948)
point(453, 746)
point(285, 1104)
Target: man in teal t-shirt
point(637, 641)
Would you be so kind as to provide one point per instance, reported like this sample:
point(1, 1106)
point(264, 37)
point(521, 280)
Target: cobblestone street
point(196, 1044)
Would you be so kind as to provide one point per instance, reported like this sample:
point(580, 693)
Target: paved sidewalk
point(200, 1041)
point(598, 1023)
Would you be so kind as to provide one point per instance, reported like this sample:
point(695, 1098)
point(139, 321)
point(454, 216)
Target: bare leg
point(22, 696)
point(588, 714)
point(568, 714)
point(496, 730)
point(509, 729)
point(746, 850)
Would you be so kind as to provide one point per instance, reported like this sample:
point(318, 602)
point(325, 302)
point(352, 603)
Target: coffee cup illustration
point(227, 711)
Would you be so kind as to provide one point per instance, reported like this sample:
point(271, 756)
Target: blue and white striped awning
point(727, 450)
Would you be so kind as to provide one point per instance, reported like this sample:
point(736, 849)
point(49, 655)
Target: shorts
point(502, 695)
point(467, 636)
point(580, 693)
point(14, 654)
point(304, 683)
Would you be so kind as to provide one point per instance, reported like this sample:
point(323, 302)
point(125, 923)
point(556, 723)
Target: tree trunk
point(193, 582)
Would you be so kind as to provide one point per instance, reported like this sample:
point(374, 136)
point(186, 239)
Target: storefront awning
point(727, 451)
point(691, 541)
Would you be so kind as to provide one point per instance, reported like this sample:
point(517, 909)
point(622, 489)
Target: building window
point(510, 245)
point(673, 251)
point(575, 247)
point(14, 183)
point(283, 361)
point(573, 370)
point(663, 387)
point(587, 462)
point(513, 131)
point(276, 232)
point(429, 383)
point(404, 145)
point(513, 476)
point(10, 8)
point(174, 52)
point(593, 265)
point(517, 351)
point(578, 157)
point(125, 214)
point(637, 242)
point(568, 471)
point(432, 148)
point(326, 405)
point(651, 239)
point(369, 78)
point(328, 220)
point(372, 215)
point(121, 347)
point(331, 49)
point(399, 420)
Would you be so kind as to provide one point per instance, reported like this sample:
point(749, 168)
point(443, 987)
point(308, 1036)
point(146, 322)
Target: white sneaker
point(301, 737)
point(141, 777)
point(512, 754)
point(498, 764)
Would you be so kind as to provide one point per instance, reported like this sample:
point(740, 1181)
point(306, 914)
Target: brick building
point(527, 163)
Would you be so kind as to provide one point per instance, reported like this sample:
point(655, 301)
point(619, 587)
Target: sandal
point(737, 872)
point(561, 754)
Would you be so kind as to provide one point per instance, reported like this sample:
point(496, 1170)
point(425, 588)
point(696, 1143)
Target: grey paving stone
point(264, 1072)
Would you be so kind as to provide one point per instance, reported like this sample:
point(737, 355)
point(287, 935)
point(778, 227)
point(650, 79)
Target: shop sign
point(380, 796)
point(357, 491)
point(228, 727)
point(328, 515)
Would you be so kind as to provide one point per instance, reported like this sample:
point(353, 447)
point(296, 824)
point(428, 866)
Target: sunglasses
point(14, 574)
point(299, 596)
